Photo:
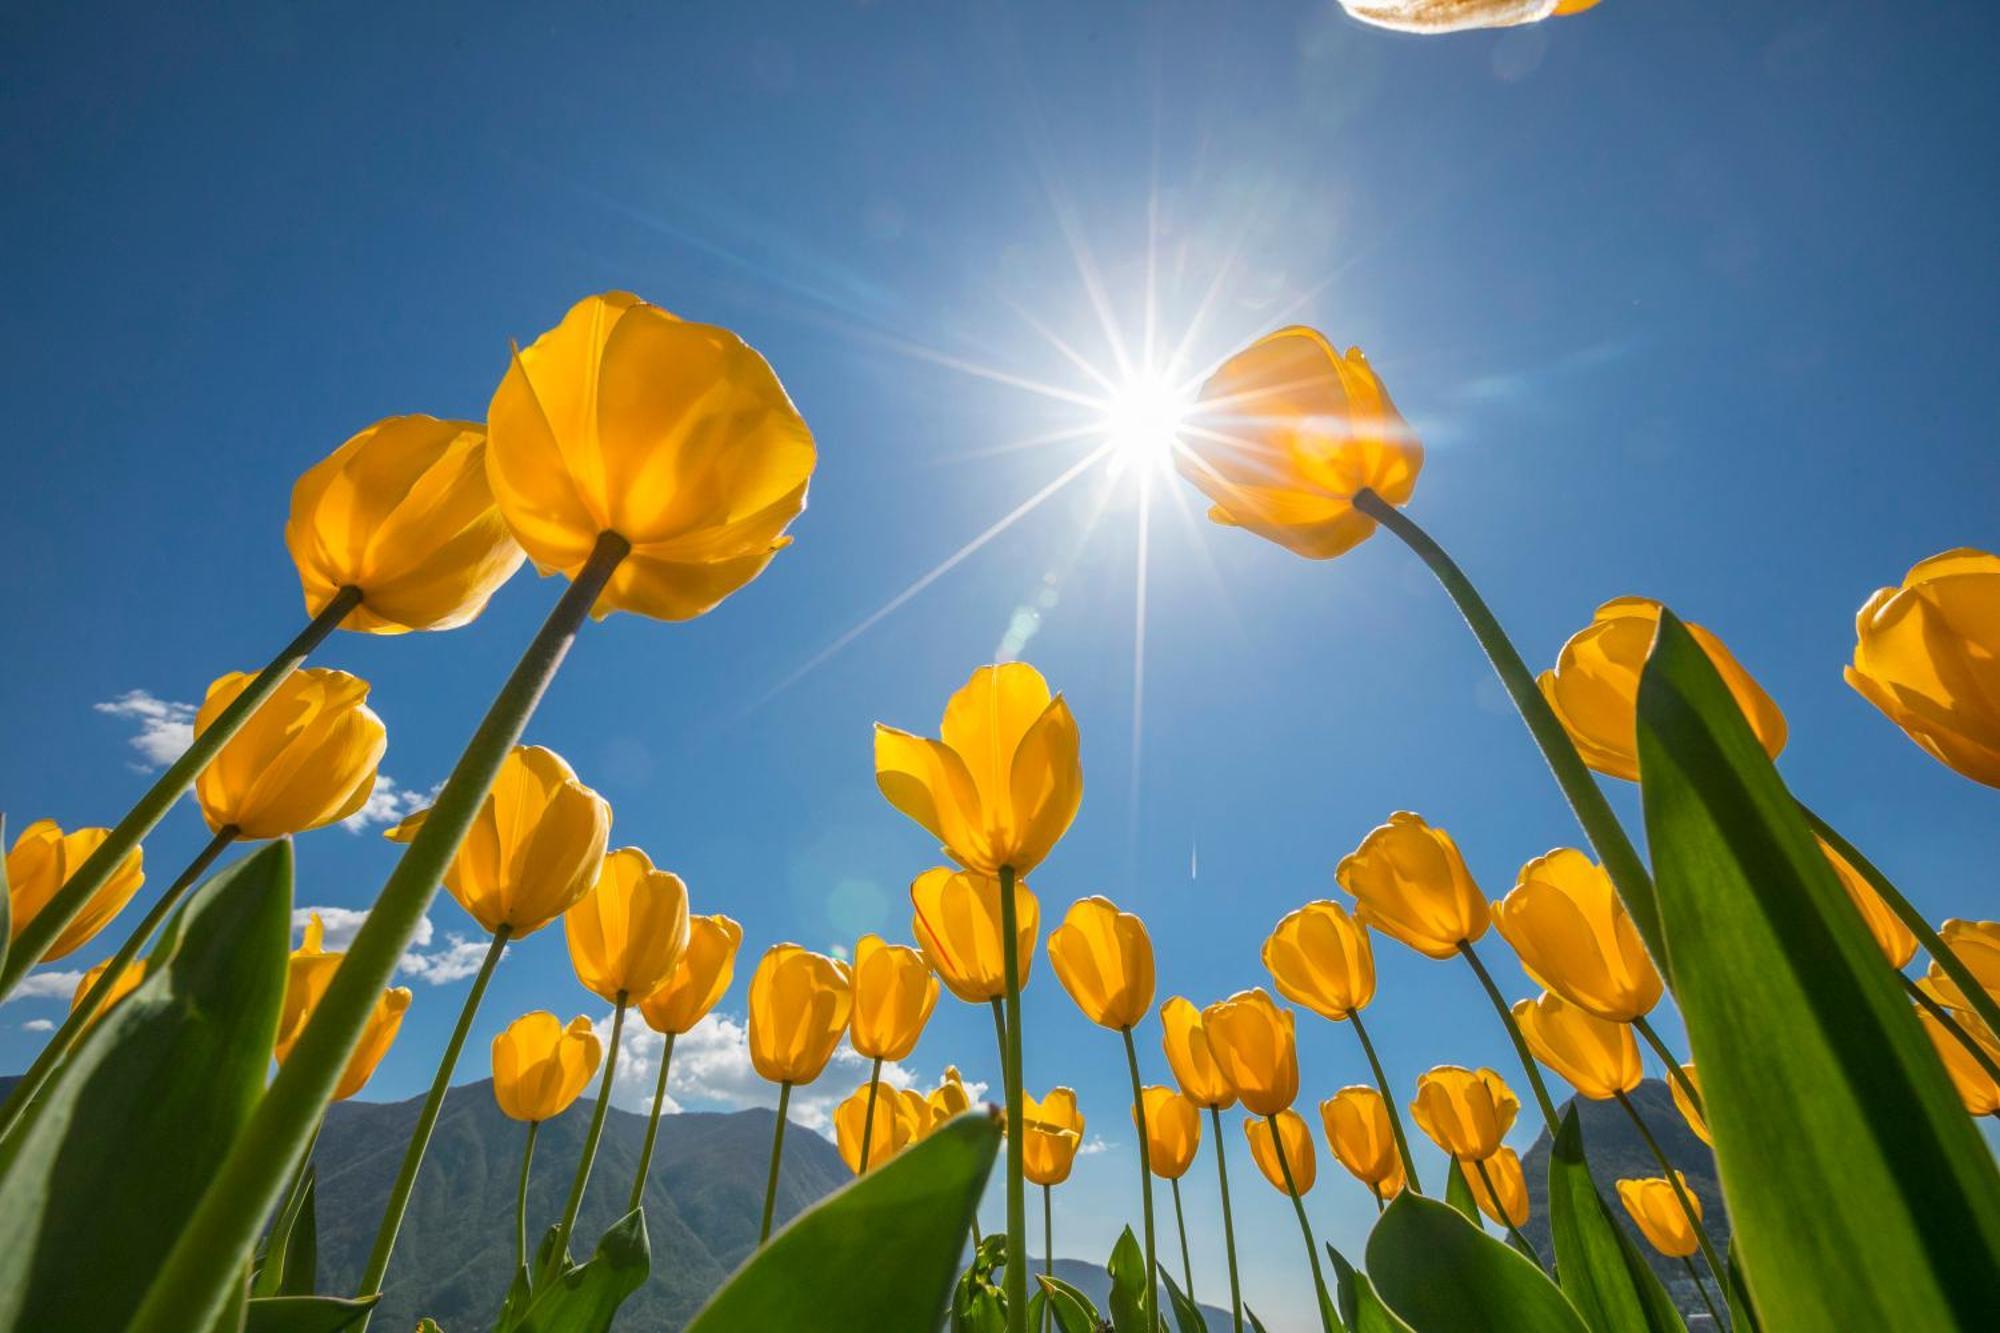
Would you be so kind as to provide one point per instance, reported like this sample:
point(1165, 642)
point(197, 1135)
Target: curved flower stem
point(868, 1116)
point(1305, 1227)
point(34, 939)
point(1388, 1101)
point(1701, 1289)
point(1493, 1196)
point(1586, 798)
point(559, 1252)
point(79, 1017)
point(1513, 1031)
point(652, 1128)
point(777, 1153)
point(1228, 1226)
point(1715, 1264)
point(196, 1277)
point(420, 1137)
point(1152, 1306)
point(1016, 1287)
point(521, 1198)
point(1376, 1191)
point(1953, 1026)
point(1048, 1243)
point(1674, 1070)
point(1180, 1225)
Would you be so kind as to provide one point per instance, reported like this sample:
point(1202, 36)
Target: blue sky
point(1687, 300)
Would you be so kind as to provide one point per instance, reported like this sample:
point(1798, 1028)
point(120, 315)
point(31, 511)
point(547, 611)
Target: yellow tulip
point(1185, 1041)
point(1002, 783)
point(1696, 1121)
point(403, 512)
point(894, 1127)
point(1288, 432)
point(534, 848)
point(1594, 688)
point(540, 1067)
point(42, 860)
point(1298, 1145)
point(1256, 1048)
point(1409, 882)
point(894, 993)
point(1173, 1132)
point(127, 982)
point(1891, 936)
point(917, 1109)
point(1050, 1137)
point(1104, 959)
point(957, 925)
point(1357, 1126)
point(948, 1099)
point(1466, 1112)
point(1574, 936)
point(1974, 1085)
point(799, 1002)
point(628, 934)
point(385, 1020)
point(1320, 957)
point(305, 759)
point(1977, 944)
point(1598, 1057)
point(1503, 1168)
point(1928, 655)
point(309, 971)
point(1656, 1208)
point(674, 435)
point(1436, 16)
point(699, 979)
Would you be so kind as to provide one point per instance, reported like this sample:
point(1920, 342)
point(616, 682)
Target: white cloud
point(166, 728)
point(342, 922)
point(458, 959)
point(840, 950)
point(45, 985)
point(1093, 1145)
point(39, 1025)
point(388, 804)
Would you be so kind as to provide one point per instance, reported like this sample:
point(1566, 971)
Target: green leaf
point(1458, 1193)
point(1187, 1315)
point(1607, 1280)
point(1860, 1192)
point(1127, 1267)
point(310, 1314)
point(103, 1169)
point(235, 1308)
point(428, 1325)
point(290, 1261)
point(1361, 1309)
point(584, 1298)
point(1442, 1274)
point(826, 1269)
point(1074, 1312)
point(1255, 1322)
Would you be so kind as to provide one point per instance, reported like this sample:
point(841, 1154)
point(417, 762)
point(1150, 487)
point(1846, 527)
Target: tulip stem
point(1389, 1103)
point(1305, 1227)
point(777, 1151)
point(1145, 1180)
point(1016, 1288)
point(1228, 1226)
point(420, 1137)
point(559, 1252)
point(652, 1128)
point(1673, 1178)
point(1674, 1070)
point(1953, 1026)
point(1493, 1197)
point(1701, 1290)
point(1180, 1225)
point(1376, 1190)
point(38, 935)
point(1048, 1237)
point(868, 1116)
point(1586, 798)
point(1514, 1031)
point(79, 1017)
point(196, 1277)
point(521, 1199)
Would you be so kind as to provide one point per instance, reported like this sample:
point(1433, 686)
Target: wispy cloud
point(39, 1025)
point(166, 727)
point(388, 804)
point(45, 985)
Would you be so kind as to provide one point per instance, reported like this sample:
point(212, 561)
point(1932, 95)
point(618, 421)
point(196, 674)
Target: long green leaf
point(829, 1267)
point(307, 1314)
point(1442, 1274)
point(1127, 1267)
point(1860, 1193)
point(1361, 1309)
point(1074, 1312)
point(103, 1169)
point(1458, 1193)
point(1607, 1280)
point(1187, 1315)
point(1256, 1324)
point(584, 1298)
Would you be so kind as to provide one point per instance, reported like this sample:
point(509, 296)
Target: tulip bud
point(1466, 1112)
point(699, 979)
point(1600, 1059)
point(1410, 883)
point(1503, 1168)
point(894, 993)
point(894, 1127)
point(42, 860)
point(799, 1004)
point(1104, 959)
point(949, 1098)
point(309, 971)
point(127, 982)
point(305, 759)
point(540, 1067)
point(1928, 655)
point(1051, 1133)
point(1695, 1120)
point(1173, 1132)
point(957, 925)
point(628, 933)
point(385, 1020)
point(1891, 936)
point(1656, 1208)
point(1976, 1088)
point(1358, 1130)
point(1185, 1041)
point(1256, 1050)
point(1320, 957)
point(1298, 1145)
point(1574, 936)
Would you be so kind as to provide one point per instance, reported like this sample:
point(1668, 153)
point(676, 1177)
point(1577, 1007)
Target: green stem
point(652, 1128)
point(868, 1116)
point(1674, 1070)
point(559, 1252)
point(1305, 1227)
point(1586, 798)
point(420, 1137)
point(777, 1152)
point(1951, 1025)
point(1513, 1031)
point(1048, 1248)
point(1376, 1191)
point(1701, 1289)
point(1180, 1225)
point(1145, 1180)
point(1388, 1102)
point(1228, 1226)
point(1016, 1288)
point(79, 1018)
point(1680, 1191)
point(194, 1280)
point(521, 1199)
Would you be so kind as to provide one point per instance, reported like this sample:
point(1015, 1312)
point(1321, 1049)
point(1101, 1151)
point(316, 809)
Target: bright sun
point(1142, 420)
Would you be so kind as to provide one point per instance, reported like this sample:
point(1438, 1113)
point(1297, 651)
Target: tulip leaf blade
point(306, 1314)
point(825, 1269)
point(1783, 990)
point(1187, 1315)
point(584, 1298)
point(1440, 1273)
point(288, 1264)
point(1255, 1323)
point(1361, 1309)
point(1458, 1193)
point(1074, 1312)
point(146, 1107)
point(1127, 1267)
point(1597, 1265)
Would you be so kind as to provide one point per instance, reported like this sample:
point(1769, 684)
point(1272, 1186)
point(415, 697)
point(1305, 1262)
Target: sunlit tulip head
point(127, 982)
point(1975, 1087)
point(672, 434)
point(948, 1098)
point(1466, 1112)
point(1104, 959)
point(308, 972)
point(1185, 1042)
point(799, 1006)
point(540, 1066)
point(1891, 936)
point(1297, 1141)
point(894, 1126)
point(1287, 432)
point(402, 512)
point(1003, 780)
point(1410, 883)
point(1696, 1121)
point(1574, 936)
point(534, 848)
point(1928, 655)
point(1173, 1132)
point(1436, 16)
point(894, 993)
point(385, 1020)
point(1052, 1131)
point(1594, 688)
point(1656, 1207)
point(700, 978)
point(1597, 1057)
point(629, 933)
point(956, 920)
point(1977, 945)
point(1255, 1045)
point(42, 860)
point(1320, 957)
point(1509, 1182)
point(305, 759)
point(1356, 1120)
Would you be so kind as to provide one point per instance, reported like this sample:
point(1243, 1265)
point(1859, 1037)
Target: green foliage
point(584, 1298)
point(1442, 1274)
point(978, 1304)
point(1361, 1309)
point(1127, 1267)
point(1073, 1311)
point(1606, 1278)
point(1187, 1315)
point(289, 1262)
point(1458, 1193)
point(307, 1314)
